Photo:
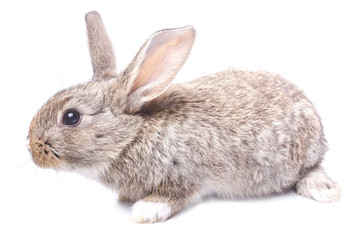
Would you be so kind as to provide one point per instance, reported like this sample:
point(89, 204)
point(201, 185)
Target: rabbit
point(163, 145)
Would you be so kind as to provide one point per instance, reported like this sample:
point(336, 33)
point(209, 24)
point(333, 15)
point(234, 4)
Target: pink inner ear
point(163, 58)
point(150, 67)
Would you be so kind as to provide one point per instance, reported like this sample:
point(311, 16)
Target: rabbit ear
point(101, 51)
point(156, 64)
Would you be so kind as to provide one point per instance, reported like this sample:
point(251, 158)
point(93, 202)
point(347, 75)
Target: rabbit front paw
point(150, 212)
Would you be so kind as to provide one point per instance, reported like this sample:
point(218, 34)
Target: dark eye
point(71, 118)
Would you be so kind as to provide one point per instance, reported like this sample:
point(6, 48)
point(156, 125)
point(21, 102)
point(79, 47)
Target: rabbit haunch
point(232, 134)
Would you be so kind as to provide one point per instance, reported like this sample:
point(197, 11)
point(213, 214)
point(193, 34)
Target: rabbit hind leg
point(317, 185)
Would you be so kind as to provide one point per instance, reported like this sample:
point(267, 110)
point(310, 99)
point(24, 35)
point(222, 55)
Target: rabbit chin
point(92, 172)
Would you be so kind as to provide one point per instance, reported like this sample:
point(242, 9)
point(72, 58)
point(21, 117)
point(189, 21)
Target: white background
point(43, 48)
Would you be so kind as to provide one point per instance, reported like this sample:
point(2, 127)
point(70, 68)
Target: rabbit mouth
point(43, 154)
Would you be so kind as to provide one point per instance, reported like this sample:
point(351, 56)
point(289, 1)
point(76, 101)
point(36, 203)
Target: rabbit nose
point(42, 154)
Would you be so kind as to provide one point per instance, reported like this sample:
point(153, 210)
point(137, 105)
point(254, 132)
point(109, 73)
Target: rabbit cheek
point(42, 154)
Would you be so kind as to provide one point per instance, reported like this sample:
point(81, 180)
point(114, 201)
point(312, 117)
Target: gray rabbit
point(233, 134)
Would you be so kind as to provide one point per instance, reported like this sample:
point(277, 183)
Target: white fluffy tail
point(319, 186)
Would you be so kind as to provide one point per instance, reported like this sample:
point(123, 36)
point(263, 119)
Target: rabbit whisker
point(22, 165)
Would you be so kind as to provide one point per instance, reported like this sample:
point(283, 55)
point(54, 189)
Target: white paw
point(325, 195)
point(150, 212)
point(319, 186)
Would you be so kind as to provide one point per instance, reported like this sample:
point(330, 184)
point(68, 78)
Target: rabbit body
point(231, 134)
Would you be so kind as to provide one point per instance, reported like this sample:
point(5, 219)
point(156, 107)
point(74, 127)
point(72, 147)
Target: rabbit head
point(88, 125)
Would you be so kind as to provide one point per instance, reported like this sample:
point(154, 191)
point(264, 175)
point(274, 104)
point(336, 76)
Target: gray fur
point(234, 134)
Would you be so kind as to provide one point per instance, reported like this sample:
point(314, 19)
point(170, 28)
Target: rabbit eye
point(71, 118)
